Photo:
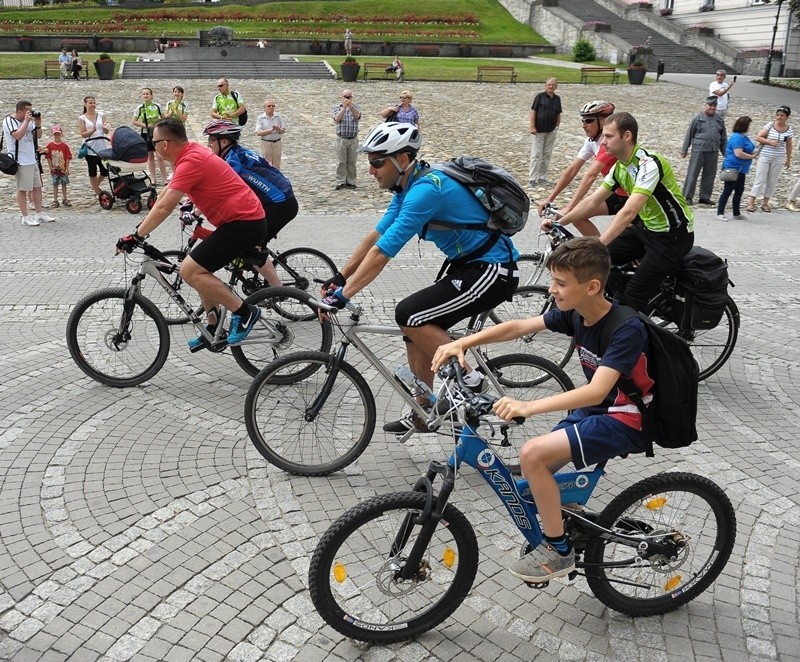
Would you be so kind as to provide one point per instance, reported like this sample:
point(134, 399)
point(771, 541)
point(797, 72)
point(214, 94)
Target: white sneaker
point(722, 217)
point(43, 217)
point(29, 220)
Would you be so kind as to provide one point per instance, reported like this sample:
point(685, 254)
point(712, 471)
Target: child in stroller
point(126, 156)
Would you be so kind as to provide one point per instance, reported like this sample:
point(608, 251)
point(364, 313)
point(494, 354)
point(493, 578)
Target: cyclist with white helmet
point(593, 115)
point(267, 182)
point(481, 269)
point(229, 205)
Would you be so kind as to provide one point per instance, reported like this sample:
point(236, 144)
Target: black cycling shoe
point(409, 421)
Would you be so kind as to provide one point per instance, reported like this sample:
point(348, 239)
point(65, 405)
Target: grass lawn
point(468, 21)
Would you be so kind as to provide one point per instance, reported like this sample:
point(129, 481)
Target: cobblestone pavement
point(141, 523)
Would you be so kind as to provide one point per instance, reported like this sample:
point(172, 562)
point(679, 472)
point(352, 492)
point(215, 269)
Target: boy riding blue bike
point(604, 423)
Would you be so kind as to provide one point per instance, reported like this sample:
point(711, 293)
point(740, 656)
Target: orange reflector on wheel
point(672, 583)
point(449, 557)
point(656, 503)
point(339, 573)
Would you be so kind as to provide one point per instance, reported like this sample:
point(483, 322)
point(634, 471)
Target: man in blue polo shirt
point(482, 269)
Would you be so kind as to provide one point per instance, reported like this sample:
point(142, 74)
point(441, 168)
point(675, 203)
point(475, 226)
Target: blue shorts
point(597, 437)
point(59, 179)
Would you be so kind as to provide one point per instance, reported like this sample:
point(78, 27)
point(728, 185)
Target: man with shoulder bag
point(22, 129)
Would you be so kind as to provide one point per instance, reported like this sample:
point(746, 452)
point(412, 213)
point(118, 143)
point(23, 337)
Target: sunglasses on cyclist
point(378, 163)
point(588, 120)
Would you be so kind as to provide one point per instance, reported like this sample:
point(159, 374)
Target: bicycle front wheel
point(299, 267)
point(277, 412)
point(117, 342)
point(354, 575)
point(711, 348)
point(531, 268)
point(530, 301)
point(688, 515)
point(289, 323)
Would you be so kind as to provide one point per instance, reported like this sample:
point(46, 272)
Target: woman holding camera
point(775, 141)
point(403, 111)
point(93, 127)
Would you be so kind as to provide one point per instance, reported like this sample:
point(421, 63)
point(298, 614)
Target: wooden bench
point(485, 72)
point(77, 44)
point(430, 50)
point(599, 71)
point(378, 67)
point(54, 66)
point(500, 51)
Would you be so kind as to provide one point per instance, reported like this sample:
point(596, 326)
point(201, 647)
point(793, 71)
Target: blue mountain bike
point(397, 565)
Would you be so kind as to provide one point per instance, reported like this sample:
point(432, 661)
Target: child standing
point(59, 156)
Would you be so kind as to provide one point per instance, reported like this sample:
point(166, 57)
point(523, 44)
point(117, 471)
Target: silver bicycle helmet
point(597, 109)
point(392, 138)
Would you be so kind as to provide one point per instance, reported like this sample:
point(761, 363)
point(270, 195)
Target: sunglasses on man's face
point(378, 163)
point(588, 120)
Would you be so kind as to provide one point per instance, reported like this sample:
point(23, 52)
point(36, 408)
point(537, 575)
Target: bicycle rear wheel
point(115, 341)
point(711, 348)
point(276, 414)
point(289, 323)
point(354, 573)
point(530, 301)
point(299, 267)
point(689, 515)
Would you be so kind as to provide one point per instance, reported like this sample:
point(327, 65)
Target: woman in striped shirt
point(776, 152)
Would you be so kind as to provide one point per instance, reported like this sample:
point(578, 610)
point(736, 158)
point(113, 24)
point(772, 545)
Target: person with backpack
point(228, 104)
point(605, 421)
point(270, 185)
point(654, 226)
point(480, 271)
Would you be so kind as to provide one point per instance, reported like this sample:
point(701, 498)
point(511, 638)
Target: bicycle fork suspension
point(427, 520)
point(333, 371)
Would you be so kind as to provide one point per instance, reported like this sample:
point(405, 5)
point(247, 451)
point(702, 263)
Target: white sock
point(473, 378)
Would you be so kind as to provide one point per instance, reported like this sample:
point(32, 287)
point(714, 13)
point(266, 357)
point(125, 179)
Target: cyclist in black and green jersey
point(656, 225)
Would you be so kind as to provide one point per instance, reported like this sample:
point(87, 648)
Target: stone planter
point(26, 44)
point(105, 46)
point(315, 49)
point(636, 75)
point(350, 72)
point(598, 27)
point(464, 50)
point(104, 69)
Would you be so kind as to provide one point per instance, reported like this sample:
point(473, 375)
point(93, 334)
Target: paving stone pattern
point(141, 524)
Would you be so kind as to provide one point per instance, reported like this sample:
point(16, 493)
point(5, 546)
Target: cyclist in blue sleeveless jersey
point(481, 269)
point(267, 182)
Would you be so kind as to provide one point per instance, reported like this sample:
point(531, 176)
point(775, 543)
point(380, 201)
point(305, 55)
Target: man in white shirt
point(719, 88)
point(21, 132)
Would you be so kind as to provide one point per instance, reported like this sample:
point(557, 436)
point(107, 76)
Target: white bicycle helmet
point(597, 109)
point(224, 129)
point(392, 138)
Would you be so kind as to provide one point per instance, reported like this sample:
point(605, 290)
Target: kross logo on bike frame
point(486, 459)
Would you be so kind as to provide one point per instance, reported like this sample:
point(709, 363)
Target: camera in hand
point(36, 114)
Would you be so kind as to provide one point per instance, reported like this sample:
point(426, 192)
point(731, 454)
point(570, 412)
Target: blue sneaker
point(200, 342)
point(238, 332)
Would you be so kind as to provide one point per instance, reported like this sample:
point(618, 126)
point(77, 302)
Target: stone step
point(228, 69)
point(676, 58)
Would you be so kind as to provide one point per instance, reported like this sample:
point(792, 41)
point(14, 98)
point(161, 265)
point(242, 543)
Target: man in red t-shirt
point(228, 203)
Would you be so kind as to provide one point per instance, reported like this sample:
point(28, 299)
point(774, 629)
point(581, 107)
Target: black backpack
point(671, 418)
point(243, 116)
point(701, 290)
point(506, 201)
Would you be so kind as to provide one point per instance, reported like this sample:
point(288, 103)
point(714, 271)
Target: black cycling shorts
point(228, 241)
point(460, 294)
point(278, 216)
point(615, 202)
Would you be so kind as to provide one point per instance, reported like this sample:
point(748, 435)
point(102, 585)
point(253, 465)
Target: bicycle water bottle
point(414, 385)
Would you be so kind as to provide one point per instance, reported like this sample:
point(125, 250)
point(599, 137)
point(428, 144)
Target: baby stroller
point(126, 156)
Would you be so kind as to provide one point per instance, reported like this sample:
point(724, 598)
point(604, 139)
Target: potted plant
point(665, 12)
point(597, 26)
point(350, 68)
point(636, 72)
point(464, 50)
point(104, 66)
point(386, 48)
point(106, 45)
point(315, 47)
point(25, 44)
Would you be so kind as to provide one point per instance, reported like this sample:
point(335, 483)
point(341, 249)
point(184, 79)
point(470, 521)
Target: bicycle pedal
point(572, 575)
point(539, 586)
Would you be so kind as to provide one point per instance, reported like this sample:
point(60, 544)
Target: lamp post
point(772, 45)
